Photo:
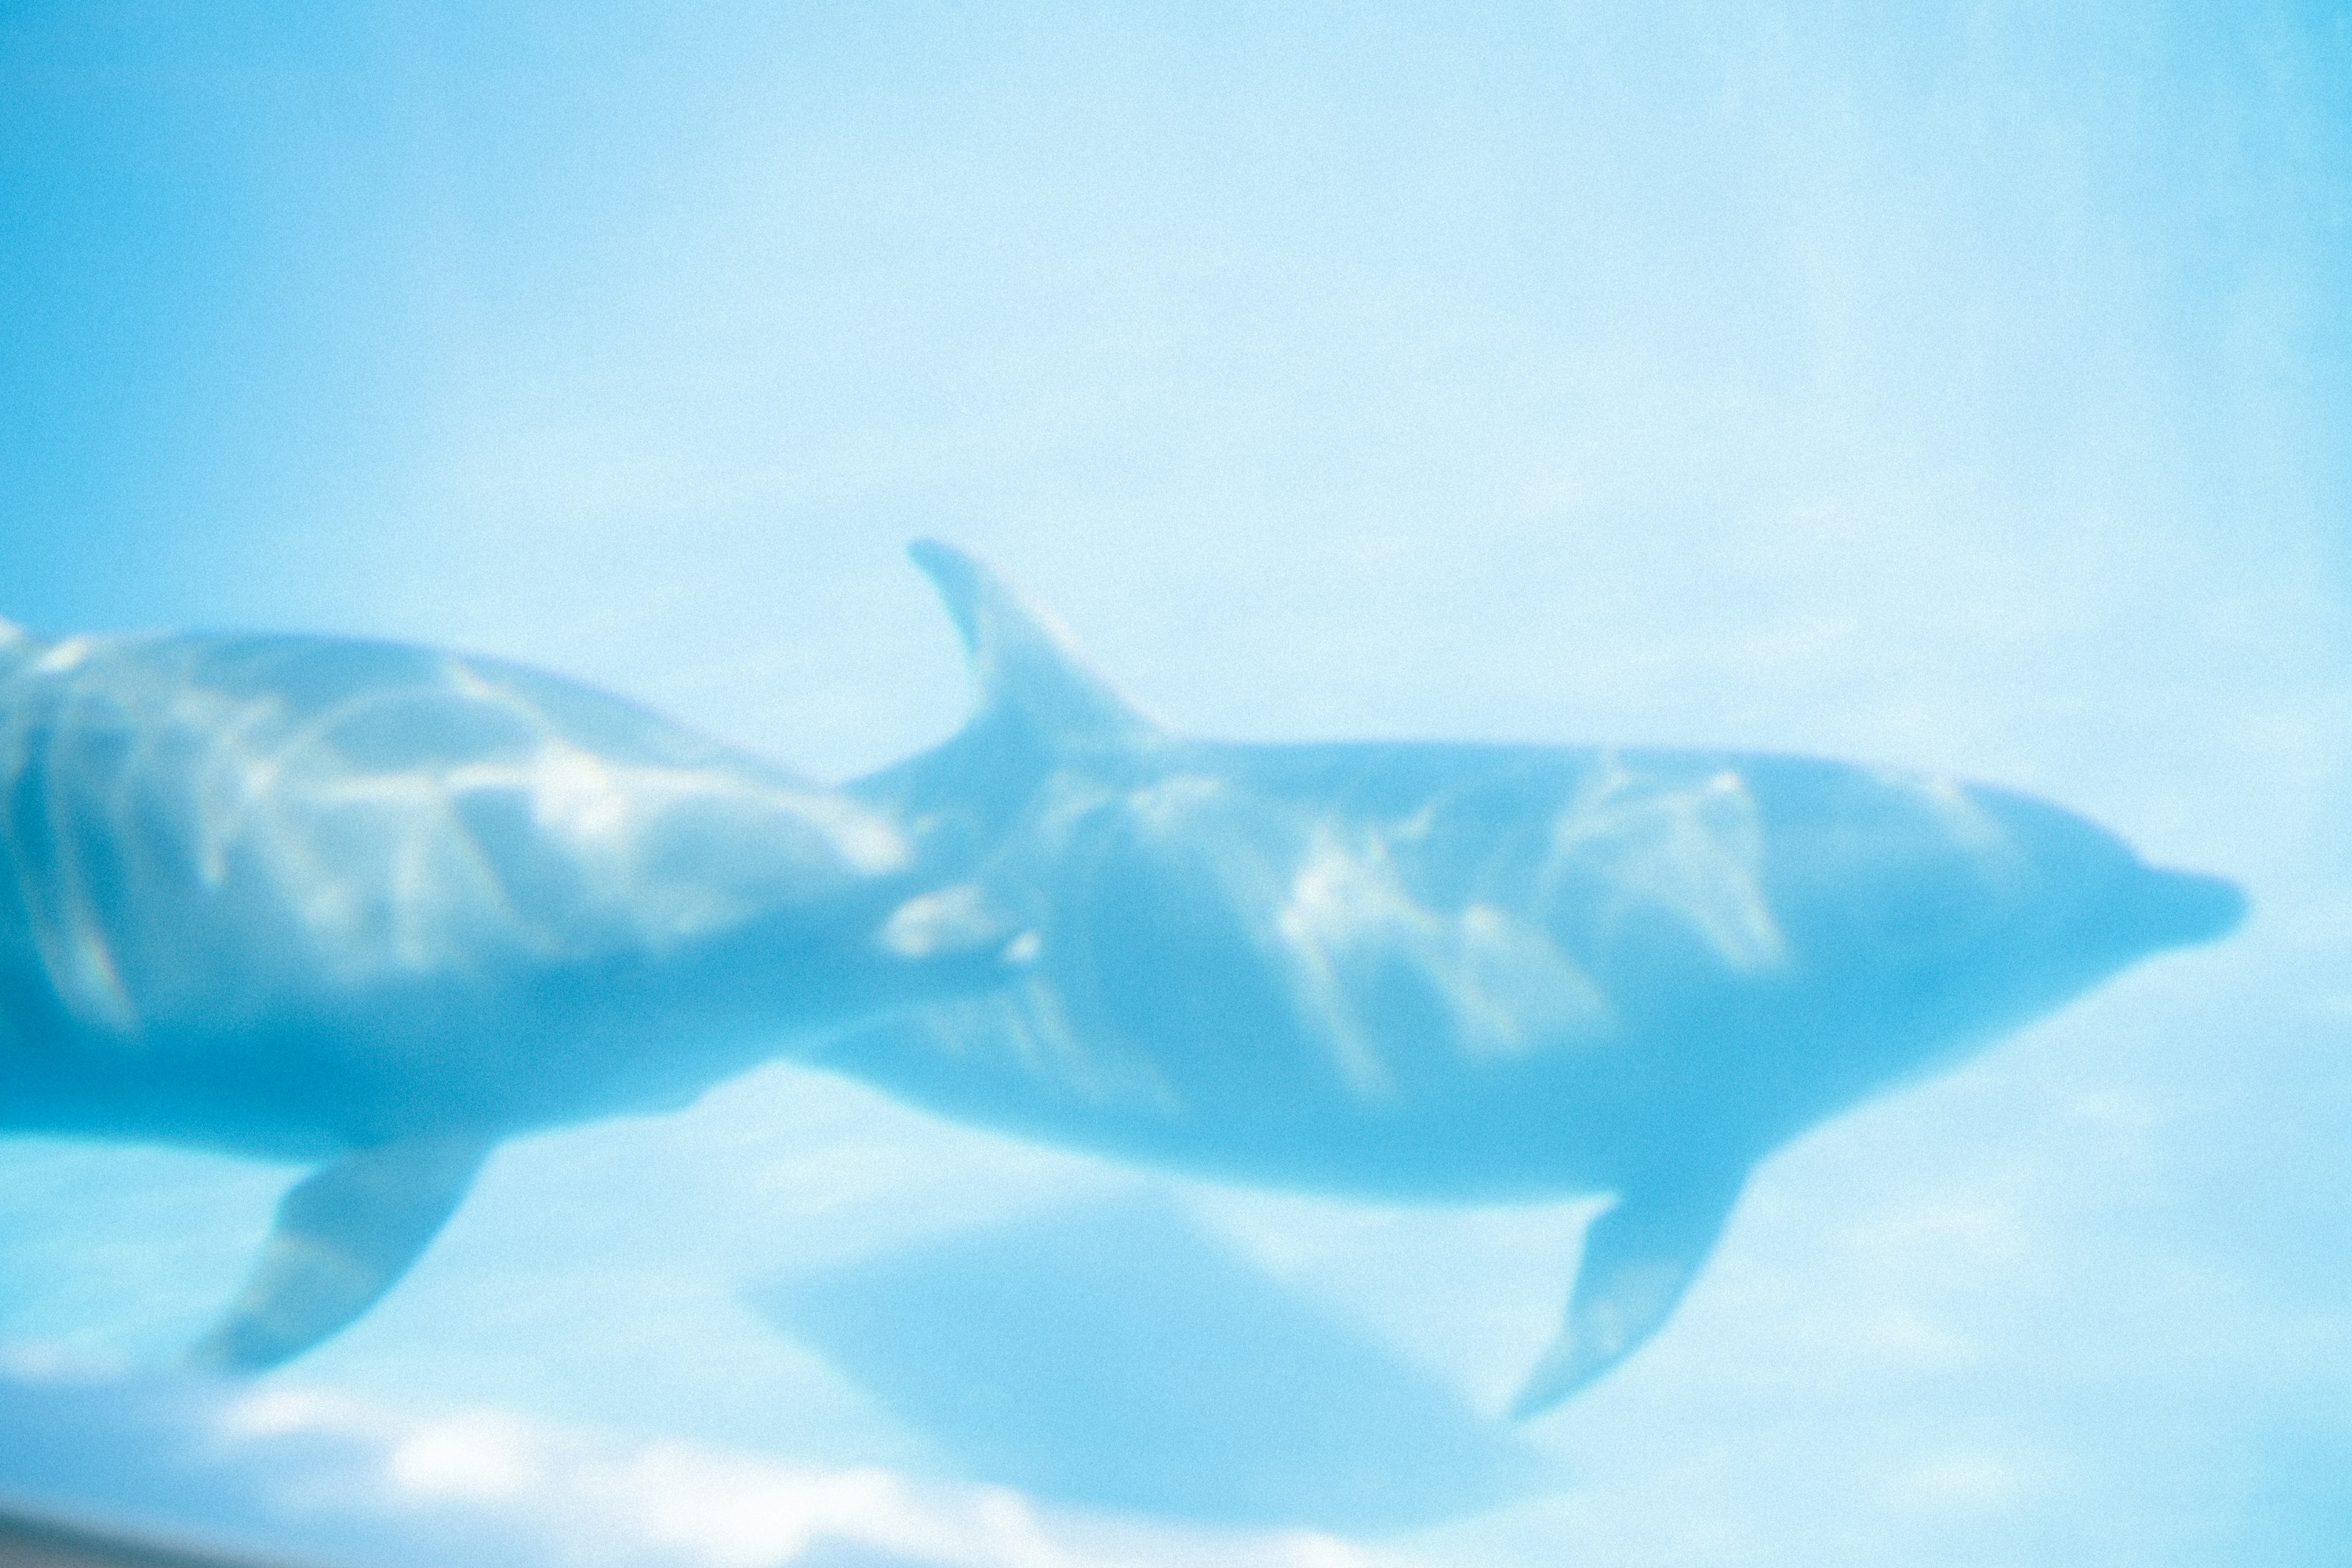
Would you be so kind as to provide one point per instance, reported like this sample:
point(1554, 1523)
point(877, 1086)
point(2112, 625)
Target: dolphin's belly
point(1259, 1100)
point(488, 1053)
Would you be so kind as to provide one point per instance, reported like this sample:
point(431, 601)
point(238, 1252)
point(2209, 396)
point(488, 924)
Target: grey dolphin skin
point(377, 907)
point(1474, 973)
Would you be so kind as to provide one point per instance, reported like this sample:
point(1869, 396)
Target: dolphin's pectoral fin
point(1639, 1259)
point(344, 1236)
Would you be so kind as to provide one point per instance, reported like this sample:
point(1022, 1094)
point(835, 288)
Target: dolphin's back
point(224, 829)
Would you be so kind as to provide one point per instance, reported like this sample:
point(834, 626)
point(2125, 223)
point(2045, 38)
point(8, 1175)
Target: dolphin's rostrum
point(1474, 972)
point(378, 907)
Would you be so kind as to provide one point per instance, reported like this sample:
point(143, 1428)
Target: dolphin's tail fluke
point(1026, 663)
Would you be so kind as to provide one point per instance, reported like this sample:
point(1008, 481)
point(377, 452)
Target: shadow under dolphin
point(1116, 1355)
point(1473, 972)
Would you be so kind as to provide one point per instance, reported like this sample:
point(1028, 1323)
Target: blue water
point(1958, 392)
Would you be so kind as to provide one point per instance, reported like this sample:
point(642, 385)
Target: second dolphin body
point(376, 908)
point(1475, 972)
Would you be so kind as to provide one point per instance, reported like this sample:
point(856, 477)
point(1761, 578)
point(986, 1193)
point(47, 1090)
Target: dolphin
point(1473, 972)
point(377, 907)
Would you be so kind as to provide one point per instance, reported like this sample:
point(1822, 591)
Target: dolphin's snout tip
point(2183, 908)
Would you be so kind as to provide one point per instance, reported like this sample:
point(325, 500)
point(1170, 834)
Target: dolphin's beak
point(2176, 908)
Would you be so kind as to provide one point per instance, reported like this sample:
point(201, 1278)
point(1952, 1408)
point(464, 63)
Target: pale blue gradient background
point(1961, 386)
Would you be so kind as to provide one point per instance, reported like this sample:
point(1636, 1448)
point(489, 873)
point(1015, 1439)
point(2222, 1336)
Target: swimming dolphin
point(1475, 972)
point(379, 906)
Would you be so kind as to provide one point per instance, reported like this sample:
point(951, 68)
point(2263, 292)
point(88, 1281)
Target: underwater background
point(1960, 388)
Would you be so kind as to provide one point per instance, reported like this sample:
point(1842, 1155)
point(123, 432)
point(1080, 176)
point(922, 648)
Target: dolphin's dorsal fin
point(1024, 661)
